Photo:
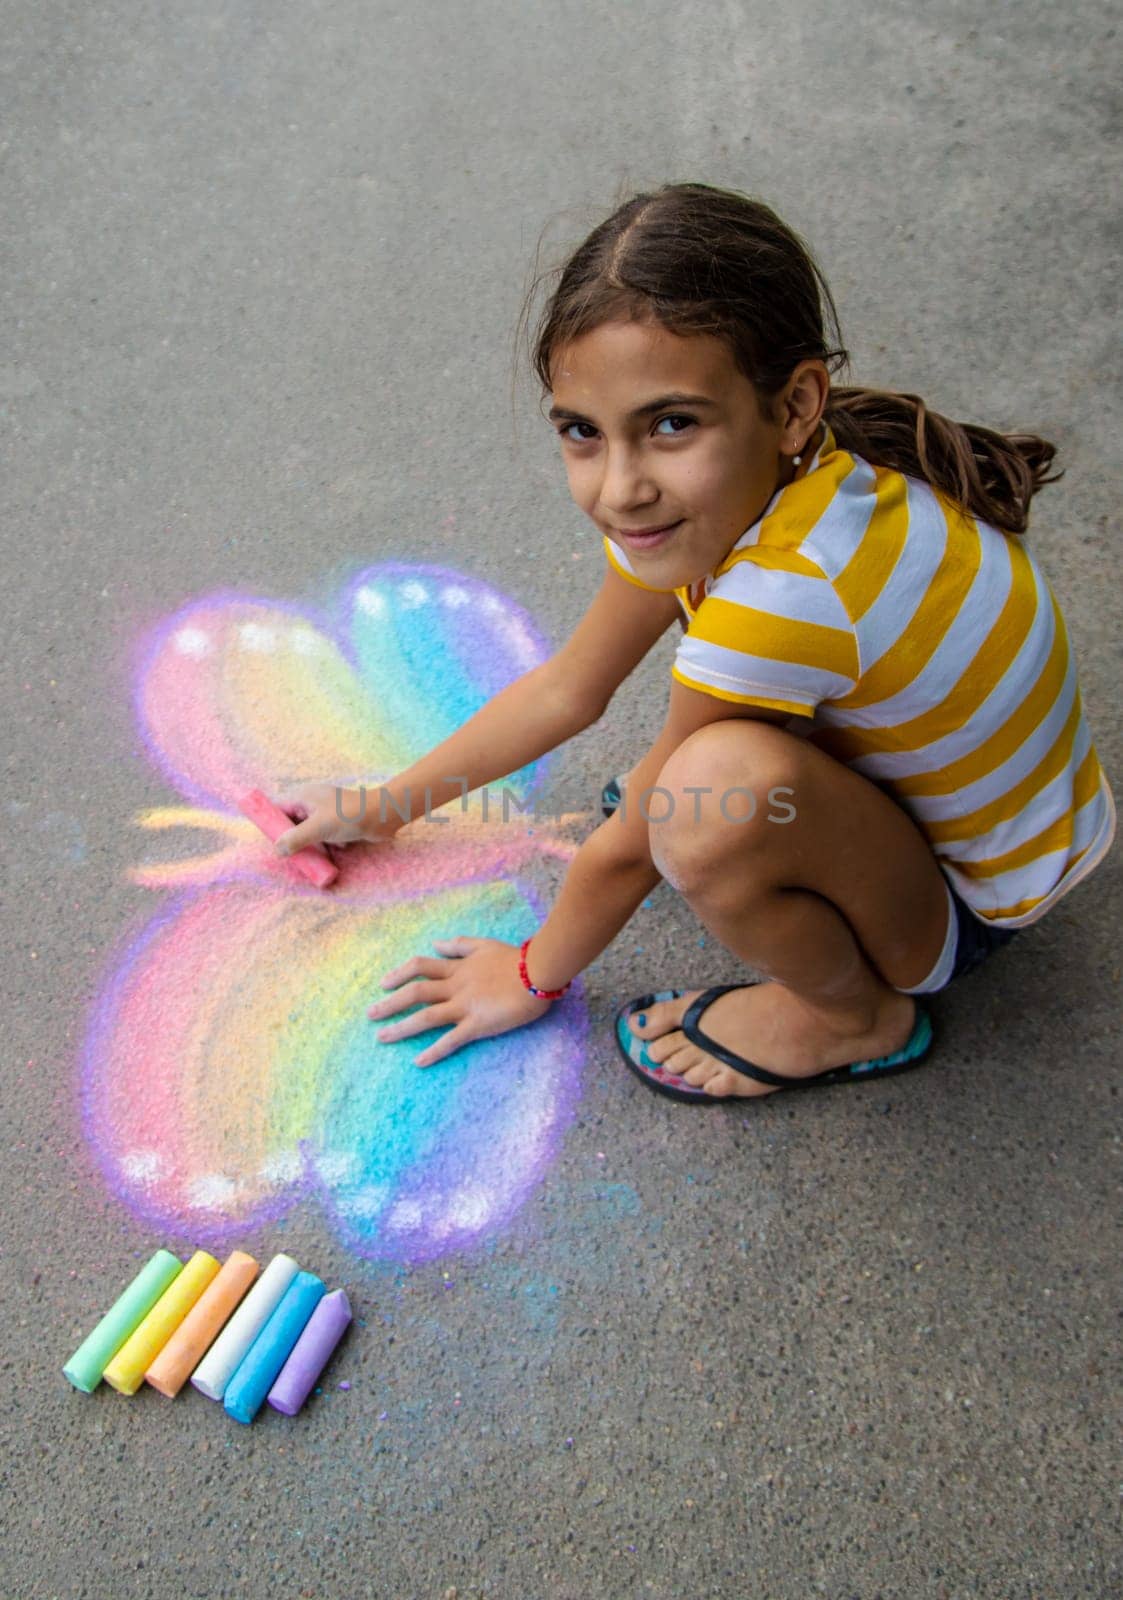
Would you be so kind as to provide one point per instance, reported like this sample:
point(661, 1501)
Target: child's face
point(713, 474)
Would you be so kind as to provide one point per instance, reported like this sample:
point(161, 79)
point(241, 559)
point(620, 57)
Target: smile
point(647, 538)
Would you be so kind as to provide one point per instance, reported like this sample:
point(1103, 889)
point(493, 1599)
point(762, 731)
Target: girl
point(875, 765)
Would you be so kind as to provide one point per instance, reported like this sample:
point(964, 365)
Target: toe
point(680, 1056)
point(694, 1066)
point(666, 1047)
point(724, 1082)
point(649, 1022)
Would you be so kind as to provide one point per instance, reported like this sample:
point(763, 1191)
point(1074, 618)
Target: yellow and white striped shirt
point(930, 653)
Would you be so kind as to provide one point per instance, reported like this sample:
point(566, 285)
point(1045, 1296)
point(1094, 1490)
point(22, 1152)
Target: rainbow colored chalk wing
point(230, 1068)
point(235, 692)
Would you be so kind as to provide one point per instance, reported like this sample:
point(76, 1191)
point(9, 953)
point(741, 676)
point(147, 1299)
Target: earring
point(796, 460)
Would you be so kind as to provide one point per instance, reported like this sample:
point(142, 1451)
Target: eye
point(564, 433)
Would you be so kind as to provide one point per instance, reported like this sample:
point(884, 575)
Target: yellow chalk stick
point(198, 1330)
point(126, 1371)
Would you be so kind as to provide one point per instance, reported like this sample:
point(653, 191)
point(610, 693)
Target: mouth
point(647, 538)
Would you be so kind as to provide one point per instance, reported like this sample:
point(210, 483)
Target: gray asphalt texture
point(263, 264)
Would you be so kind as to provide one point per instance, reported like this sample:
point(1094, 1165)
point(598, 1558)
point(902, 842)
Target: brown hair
point(697, 259)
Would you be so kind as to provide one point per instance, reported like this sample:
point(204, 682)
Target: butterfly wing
point(415, 1162)
point(230, 1068)
point(236, 692)
point(435, 645)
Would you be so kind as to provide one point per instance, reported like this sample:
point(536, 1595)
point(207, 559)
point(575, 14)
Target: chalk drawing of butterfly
point(229, 1068)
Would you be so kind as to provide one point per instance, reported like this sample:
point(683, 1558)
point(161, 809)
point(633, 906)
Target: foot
point(769, 1025)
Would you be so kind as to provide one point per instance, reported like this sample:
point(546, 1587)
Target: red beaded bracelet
point(543, 994)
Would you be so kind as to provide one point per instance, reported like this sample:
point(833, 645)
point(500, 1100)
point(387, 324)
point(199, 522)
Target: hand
point(327, 813)
point(477, 988)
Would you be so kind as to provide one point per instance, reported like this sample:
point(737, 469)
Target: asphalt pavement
point(263, 268)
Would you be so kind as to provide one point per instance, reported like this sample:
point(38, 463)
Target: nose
point(626, 484)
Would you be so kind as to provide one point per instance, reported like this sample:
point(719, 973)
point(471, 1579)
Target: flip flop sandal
point(634, 1051)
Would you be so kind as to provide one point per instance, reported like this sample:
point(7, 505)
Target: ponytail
point(992, 475)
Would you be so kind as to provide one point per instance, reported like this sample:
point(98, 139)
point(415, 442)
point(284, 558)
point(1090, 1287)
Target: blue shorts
point(969, 941)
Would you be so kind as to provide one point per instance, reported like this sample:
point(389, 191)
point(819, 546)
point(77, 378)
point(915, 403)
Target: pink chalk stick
point(272, 821)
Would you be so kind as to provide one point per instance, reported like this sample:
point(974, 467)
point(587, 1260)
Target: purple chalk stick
point(310, 1354)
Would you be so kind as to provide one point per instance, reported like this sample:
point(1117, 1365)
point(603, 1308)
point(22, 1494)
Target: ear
point(802, 403)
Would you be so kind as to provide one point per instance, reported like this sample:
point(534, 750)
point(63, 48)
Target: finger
point(311, 831)
point(292, 801)
point(455, 947)
point(298, 802)
point(413, 994)
point(416, 967)
point(420, 1022)
point(447, 1045)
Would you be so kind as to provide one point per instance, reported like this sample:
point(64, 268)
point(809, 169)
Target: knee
point(720, 794)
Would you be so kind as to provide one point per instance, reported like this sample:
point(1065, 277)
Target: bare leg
point(834, 906)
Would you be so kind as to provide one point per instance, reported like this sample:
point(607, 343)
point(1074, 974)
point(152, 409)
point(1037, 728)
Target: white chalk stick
point(222, 1360)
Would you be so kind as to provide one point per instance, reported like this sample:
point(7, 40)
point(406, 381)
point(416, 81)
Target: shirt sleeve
point(617, 559)
point(772, 631)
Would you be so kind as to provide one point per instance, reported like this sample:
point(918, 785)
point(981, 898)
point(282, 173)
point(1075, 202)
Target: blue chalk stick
point(270, 1350)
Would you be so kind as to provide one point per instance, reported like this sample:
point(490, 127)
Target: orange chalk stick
point(195, 1334)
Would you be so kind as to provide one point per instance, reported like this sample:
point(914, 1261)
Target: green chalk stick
point(89, 1361)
